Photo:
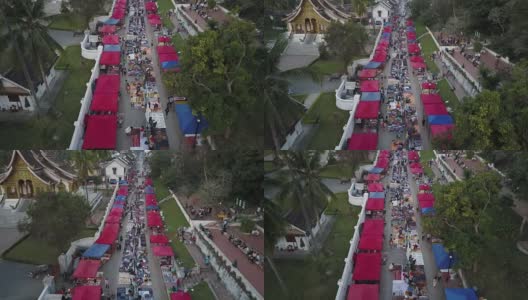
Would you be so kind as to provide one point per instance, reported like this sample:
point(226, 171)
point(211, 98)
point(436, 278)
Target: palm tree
point(360, 7)
point(274, 227)
point(85, 162)
point(302, 190)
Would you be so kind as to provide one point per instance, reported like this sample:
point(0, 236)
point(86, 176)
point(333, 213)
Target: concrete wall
point(188, 23)
point(86, 101)
point(120, 171)
point(92, 54)
point(343, 103)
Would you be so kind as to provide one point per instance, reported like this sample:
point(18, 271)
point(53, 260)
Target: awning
point(376, 170)
point(149, 190)
point(375, 187)
point(439, 119)
point(111, 21)
point(417, 59)
point(115, 219)
point(87, 268)
point(368, 267)
point(369, 86)
point(370, 243)
point(96, 251)
point(382, 162)
point(110, 58)
point(418, 65)
point(148, 181)
point(101, 132)
point(165, 49)
point(424, 187)
point(109, 234)
point(118, 205)
point(372, 228)
point(154, 21)
point(426, 197)
point(112, 48)
point(188, 122)
point(417, 171)
point(371, 96)
point(376, 195)
point(170, 65)
point(367, 110)
point(411, 29)
point(413, 155)
point(120, 197)
point(154, 221)
point(413, 48)
point(426, 204)
point(363, 292)
point(367, 73)
point(123, 190)
point(379, 57)
point(442, 257)
point(428, 85)
point(111, 39)
point(363, 141)
point(431, 98)
point(442, 130)
point(159, 239)
point(107, 84)
point(162, 251)
point(168, 57)
point(87, 292)
point(373, 177)
point(180, 295)
point(460, 294)
point(415, 165)
point(372, 65)
point(435, 109)
point(104, 102)
point(107, 29)
point(375, 204)
point(152, 207)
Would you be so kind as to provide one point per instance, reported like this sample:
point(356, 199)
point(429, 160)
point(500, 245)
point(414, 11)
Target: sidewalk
point(459, 91)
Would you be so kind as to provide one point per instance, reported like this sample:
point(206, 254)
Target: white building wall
point(384, 13)
point(120, 171)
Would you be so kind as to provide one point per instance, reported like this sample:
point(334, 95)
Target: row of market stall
point(89, 281)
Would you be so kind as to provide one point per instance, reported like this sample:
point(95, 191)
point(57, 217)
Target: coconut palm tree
point(360, 7)
point(85, 163)
point(274, 227)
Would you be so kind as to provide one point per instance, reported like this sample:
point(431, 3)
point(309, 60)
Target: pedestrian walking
point(167, 111)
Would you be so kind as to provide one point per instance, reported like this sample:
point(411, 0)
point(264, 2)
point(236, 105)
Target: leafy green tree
point(87, 9)
point(360, 7)
point(56, 218)
point(85, 162)
point(274, 228)
point(346, 41)
point(211, 4)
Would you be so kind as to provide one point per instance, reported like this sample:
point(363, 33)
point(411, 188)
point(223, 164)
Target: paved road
point(15, 284)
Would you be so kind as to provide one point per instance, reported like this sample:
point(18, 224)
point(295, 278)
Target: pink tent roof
point(435, 109)
point(372, 227)
point(379, 57)
point(426, 203)
point(115, 213)
point(370, 243)
point(382, 162)
point(369, 86)
point(105, 102)
point(149, 202)
point(431, 98)
point(150, 197)
point(375, 187)
point(87, 268)
point(154, 21)
point(87, 292)
point(362, 292)
point(123, 190)
point(411, 35)
point(165, 49)
point(164, 39)
point(387, 29)
point(107, 84)
point(180, 295)
point(439, 130)
point(413, 48)
point(109, 234)
point(426, 197)
point(415, 165)
point(168, 57)
point(112, 219)
point(375, 204)
point(417, 59)
point(162, 251)
point(110, 58)
point(107, 29)
point(111, 39)
point(417, 171)
point(367, 110)
point(159, 239)
point(363, 141)
point(413, 155)
point(367, 73)
point(368, 267)
point(418, 65)
point(373, 177)
point(428, 85)
point(101, 132)
point(384, 153)
point(154, 221)
point(424, 187)
point(148, 181)
point(153, 16)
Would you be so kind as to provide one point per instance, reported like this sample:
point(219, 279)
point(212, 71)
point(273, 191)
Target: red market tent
point(431, 98)
point(370, 243)
point(413, 155)
point(165, 49)
point(107, 84)
point(426, 197)
point(101, 132)
point(372, 227)
point(159, 239)
point(164, 39)
point(154, 21)
point(149, 197)
point(413, 48)
point(417, 171)
point(442, 130)
point(375, 187)
point(409, 23)
point(367, 110)
point(428, 85)
point(180, 295)
point(387, 29)
point(415, 165)
point(110, 58)
point(382, 162)
point(369, 86)
point(424, 187)
point(435, 109)
point(154, 221)
point(367, 267)
point(104, 102)
point(373, 177)
point(111, 39)
point(426, 204)
point(149, 202)
point(109, 234)
point(107, 29)
point(148, 181)
point(87, 268)
point(168, 57)
point(411, 35)
point(118, 15)
point(368, 73)
point(162, 251)
point(384, 153)
point(123, 190)
point(362, 292)
point(115, 212)
point(87, 292)
point(379, 57)
point(151, 6)
point(417, 59)
point(375, 204)
point(418, 65)
point(363, 141)
point(113, 219)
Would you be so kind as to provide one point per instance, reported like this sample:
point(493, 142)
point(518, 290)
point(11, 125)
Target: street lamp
point(198, 120)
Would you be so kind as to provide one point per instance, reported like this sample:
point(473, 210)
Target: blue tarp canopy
point(372, 65)
point(370, 96)
point(120, 197)
point(411, 28)
point(149, 190)
point(440, 120)
point(427, 210)
point(170, 64)
point(152, 207)
point(111, 21)
point(376, 170)
point(387, 24)
point(460, 294)
point(442, 257)
point(112, 48)
point(119, 201)
point(96, 250)
point(188, 121)
point(117, 205)
point(123, 182)
point(385, 34)
point(377, 195)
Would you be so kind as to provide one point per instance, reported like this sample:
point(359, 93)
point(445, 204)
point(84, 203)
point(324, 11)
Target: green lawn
point(33, 251)
point(331, 122)
point(327, 66)
point(447, 94)
point(202, 292)
point(55, 130)
point(420, 28)
point(337, 171)
point(300, 98)
point(178, 42)
point(163, 8)
point(425, 157)
point(70, 22)
point(316, 277)
point(174, 219)
point(428, 47)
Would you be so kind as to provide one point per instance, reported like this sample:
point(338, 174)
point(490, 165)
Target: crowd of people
point(252, 255)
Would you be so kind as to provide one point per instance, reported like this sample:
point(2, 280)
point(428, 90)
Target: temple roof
point(324, 8)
